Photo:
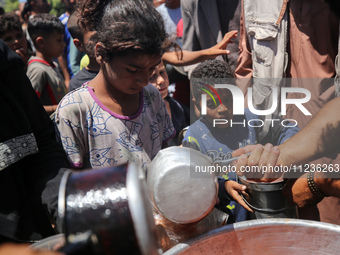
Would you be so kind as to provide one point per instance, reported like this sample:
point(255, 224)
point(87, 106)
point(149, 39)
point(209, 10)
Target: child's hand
point(233, 188)
point(221, 47)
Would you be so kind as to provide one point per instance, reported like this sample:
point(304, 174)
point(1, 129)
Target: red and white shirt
point(46, 80)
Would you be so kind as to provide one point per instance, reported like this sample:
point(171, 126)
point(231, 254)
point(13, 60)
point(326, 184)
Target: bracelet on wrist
point(312, 186)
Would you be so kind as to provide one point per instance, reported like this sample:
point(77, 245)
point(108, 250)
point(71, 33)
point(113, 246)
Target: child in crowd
point(118, 117)
point(220, 141)
point(47, 33)
point(75, 54)
point(182, 86)
point(159, 79)
point(31, 8)
point(81, 38)
point(11, 33)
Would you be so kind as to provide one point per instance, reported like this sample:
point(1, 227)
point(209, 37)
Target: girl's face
point(130, 73)
point(160, 80)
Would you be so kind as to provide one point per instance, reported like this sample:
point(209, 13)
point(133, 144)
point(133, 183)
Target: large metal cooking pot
point(107, 211)
point(265, 236)
point(179, 194)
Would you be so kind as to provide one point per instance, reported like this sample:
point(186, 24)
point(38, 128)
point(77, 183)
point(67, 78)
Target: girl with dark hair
point(118, 116)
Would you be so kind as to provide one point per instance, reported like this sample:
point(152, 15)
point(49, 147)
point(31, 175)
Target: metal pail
point(267, 199)
point(177, 194)
point(265, 237)
point(108, 210)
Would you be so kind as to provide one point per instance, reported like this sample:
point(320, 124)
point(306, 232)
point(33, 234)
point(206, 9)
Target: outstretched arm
point(319, 138)
point(193, 57)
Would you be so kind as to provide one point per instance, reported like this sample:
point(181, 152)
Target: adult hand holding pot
point(307, 190)
point(263, 178)
point(259, 165)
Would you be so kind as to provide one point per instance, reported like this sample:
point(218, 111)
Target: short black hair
point(44, 24)
point(211, 71)
point(9, 22)
point(212, 68)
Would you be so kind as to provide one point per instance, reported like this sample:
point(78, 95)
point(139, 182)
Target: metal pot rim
point(252, 224)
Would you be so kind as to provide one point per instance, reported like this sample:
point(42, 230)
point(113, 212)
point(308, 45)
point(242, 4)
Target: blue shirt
point(67, 39)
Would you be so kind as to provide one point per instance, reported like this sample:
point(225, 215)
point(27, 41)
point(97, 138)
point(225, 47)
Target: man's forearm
point(319, 138)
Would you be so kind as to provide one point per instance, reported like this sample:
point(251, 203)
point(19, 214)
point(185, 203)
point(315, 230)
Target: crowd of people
point(90, 89)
